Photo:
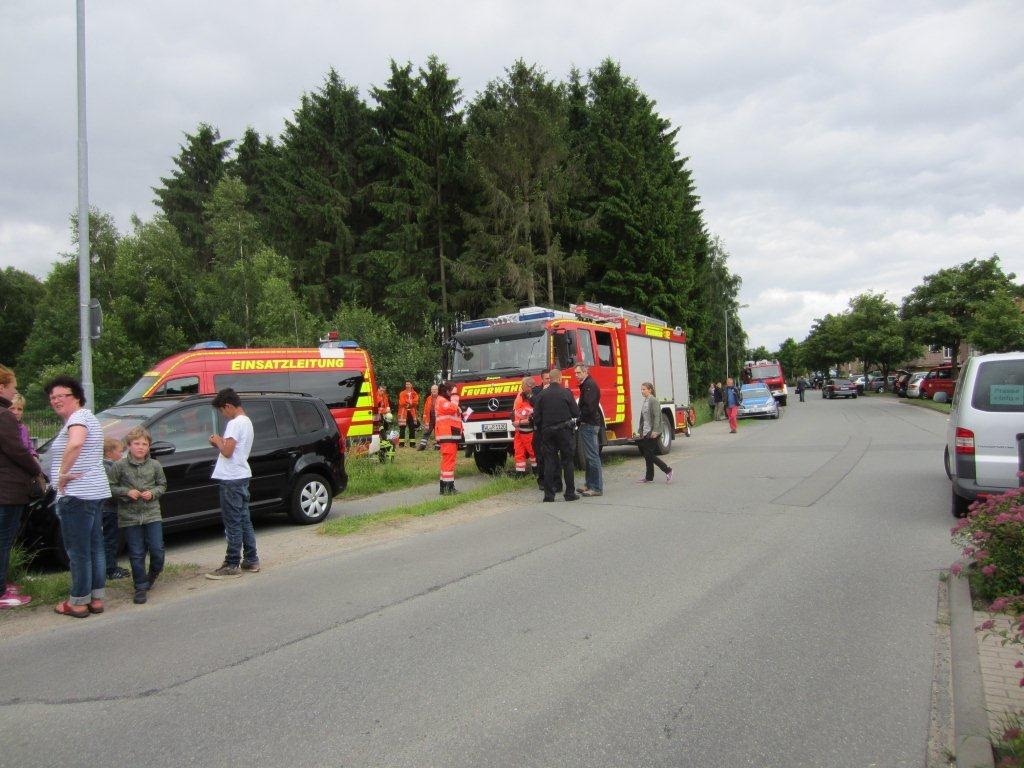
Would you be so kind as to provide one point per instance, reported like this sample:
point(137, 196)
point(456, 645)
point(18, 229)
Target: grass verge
point(347, 525)
point(368, 477)
point(931, 404)
point(50, 588)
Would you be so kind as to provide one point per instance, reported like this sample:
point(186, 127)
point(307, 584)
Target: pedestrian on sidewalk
point(732, 398)
point(556, 410)
point(232, 473)
point(18, 470)
point(647, 434)
point(719, 402)
point(113, 452)
point(801, 387)
point(76, 456)
point(448, 421)
point(137, 483)
point(590, 430)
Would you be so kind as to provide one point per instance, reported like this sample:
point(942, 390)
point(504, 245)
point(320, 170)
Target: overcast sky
point(837, 147)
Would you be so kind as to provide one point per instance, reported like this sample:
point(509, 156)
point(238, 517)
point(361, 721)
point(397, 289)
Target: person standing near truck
point(522, 421)
point(590, 430)
point(408, 401)
point(428, 419)
point(448, 425)
point(556, 409)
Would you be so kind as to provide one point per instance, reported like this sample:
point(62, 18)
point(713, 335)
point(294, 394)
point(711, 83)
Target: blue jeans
point(110, 534)
point(589, 434)
point(81, 527)
point(10, 519)
point(234, 511)
point(139, 538)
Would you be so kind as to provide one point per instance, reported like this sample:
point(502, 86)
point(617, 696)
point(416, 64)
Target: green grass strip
point(344, 526)
point(940, 407)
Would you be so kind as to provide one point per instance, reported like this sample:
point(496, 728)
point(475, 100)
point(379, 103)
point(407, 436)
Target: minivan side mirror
point(161, 448)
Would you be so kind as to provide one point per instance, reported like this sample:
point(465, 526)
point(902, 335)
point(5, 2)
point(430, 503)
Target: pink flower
point(968, 551)
point(981, 554)
point(988, 570)
point(957, 568)
point(1011, 733)
point(982, 535)
point(1019, 664)
point(987, 624)
point(998, 604)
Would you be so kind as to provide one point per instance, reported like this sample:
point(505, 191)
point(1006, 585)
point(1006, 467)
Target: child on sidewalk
point(113, 450)
point(137, 484)
point(18, 409)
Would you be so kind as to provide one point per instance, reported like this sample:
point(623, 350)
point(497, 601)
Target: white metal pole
point(83, 219)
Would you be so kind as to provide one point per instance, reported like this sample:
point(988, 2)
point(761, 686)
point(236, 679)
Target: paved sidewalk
point(1000, 679)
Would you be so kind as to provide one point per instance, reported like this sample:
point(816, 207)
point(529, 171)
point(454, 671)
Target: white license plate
point(494, 427)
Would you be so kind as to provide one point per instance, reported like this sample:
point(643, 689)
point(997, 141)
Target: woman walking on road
point(647, 435)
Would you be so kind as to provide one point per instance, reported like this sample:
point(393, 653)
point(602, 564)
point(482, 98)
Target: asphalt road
point(774, 606)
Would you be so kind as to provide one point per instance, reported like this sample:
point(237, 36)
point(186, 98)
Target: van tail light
point(964, 441)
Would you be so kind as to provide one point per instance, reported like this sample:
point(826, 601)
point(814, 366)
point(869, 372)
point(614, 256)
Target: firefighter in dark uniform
point(556, 411)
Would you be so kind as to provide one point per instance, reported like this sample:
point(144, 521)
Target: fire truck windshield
point(478, 354)
point(762, 372)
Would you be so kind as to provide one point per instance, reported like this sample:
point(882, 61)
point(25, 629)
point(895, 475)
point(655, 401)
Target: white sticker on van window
point(1006, 394)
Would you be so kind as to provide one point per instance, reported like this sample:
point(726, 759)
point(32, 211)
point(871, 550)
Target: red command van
point(338, 372)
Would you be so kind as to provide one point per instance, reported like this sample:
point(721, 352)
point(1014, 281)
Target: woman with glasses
point(77, 472)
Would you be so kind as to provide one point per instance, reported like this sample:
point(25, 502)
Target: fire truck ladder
point(596, 311)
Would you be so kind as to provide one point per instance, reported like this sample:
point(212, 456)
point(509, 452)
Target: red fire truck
point(622, 350)
point(768, 372)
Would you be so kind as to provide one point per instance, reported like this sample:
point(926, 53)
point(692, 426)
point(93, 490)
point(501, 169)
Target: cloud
point(836, 147)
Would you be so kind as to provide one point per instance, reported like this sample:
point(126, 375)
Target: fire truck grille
point(482, 406)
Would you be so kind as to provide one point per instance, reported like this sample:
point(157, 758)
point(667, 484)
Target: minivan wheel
point(311, 500)
point(960, 505)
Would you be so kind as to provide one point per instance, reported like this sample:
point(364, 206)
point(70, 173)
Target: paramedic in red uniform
point(448, 433)
point(522, 420)
point(408, 400)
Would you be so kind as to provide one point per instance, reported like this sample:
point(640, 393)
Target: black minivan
point(296, 459)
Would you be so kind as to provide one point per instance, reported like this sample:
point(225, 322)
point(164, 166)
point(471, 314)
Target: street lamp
point(725, 313)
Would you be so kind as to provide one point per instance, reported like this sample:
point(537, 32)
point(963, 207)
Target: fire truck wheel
point(490, 461)
point(311, 500)
point(665, 438)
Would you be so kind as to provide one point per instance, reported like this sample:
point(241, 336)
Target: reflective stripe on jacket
point(448, 422)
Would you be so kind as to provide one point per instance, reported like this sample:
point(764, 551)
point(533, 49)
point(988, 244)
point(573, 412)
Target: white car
point(985, 435)
point(914, 385)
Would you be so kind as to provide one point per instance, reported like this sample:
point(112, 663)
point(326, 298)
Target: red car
point(939, 379)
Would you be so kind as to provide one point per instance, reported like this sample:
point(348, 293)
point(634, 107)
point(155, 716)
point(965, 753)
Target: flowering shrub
point(991, 538)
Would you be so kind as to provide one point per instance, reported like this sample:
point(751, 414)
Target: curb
point(970, 719)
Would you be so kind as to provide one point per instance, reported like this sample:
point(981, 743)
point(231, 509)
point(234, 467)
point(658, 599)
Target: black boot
point(444, 487)
point(451, 487)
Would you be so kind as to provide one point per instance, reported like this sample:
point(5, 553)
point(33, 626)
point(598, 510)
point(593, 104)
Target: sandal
point(66, 609)
point(95, 606)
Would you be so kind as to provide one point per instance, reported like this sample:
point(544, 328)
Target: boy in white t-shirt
point(232, 474)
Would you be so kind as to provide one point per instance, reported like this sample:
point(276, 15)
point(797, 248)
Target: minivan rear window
point(999, 387)
point(338, 389)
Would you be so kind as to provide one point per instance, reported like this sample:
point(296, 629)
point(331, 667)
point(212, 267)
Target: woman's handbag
point(37, 487)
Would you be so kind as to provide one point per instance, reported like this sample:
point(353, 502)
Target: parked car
point(939, 379)
point(758, 401)
point(903, 381)
point(914, 384)
point(297, 462)
point(838, 388)
point(985, 435)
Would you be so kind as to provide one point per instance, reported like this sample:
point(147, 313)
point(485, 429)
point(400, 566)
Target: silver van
point(985, 436)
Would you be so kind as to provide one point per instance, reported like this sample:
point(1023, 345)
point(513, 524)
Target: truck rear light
point(964, 441)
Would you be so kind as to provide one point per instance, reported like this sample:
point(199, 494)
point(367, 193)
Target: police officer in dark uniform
point(538, 443)
point(554, 410)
